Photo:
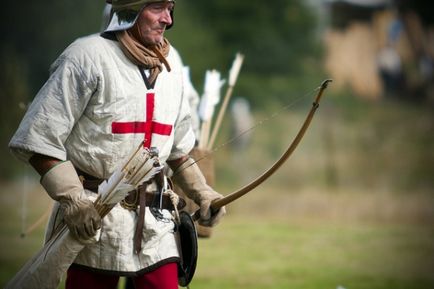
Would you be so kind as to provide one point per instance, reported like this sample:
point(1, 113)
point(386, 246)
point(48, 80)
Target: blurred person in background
point(242, 121)
point(106, 94)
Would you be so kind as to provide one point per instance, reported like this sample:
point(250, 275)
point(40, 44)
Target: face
point(152, 22)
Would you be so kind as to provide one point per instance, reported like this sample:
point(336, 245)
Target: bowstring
point(253, 127)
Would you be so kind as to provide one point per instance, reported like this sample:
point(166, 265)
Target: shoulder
point(89, 46)
point(174, 58)
point(87, 53)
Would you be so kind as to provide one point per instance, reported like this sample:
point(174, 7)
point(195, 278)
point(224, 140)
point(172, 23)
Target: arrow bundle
point(211, 98)
point(46, 268)
point(139, 168)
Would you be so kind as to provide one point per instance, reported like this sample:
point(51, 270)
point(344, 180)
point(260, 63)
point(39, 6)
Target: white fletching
point(140, 167)
point(145, 173)
point(118, 194)
point(110, 185)
point(211, 94)
point(235, 69)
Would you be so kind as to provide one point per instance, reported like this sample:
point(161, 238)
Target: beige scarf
point(152, 58)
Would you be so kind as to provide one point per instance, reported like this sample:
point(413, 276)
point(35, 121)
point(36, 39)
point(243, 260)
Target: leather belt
point(138, 198)
point(132, 200)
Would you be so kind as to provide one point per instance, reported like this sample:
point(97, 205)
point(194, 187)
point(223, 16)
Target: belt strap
point(91, 185)
point(89, 182)
point(139, 226)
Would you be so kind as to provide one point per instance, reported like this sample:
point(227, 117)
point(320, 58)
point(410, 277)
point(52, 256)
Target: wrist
point(42, 163)
point(62, 182)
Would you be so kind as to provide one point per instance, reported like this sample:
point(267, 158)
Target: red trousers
point(164, 277)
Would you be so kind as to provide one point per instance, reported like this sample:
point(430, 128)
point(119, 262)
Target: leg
point(164, 277)
point(77, 278)
point(129, 283)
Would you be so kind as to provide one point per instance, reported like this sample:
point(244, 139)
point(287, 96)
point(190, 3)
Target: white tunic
point(93, 111)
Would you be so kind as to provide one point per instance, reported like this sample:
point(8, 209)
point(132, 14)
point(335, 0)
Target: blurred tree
point(274, 36)
point(14, 93)
point(276, 39)
point(33, 34)
point(198, 44)
point(39, 30)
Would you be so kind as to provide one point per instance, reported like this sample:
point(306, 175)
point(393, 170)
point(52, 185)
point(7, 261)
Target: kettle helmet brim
point(124, 13)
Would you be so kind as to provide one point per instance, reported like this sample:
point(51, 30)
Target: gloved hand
point(190, 179)
point(63, 185)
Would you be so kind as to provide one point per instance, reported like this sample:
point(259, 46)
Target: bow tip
point(325, 83)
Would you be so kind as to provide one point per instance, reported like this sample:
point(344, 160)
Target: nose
point(166, 17)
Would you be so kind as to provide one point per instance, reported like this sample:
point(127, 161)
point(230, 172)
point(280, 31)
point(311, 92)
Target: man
point(106, 94)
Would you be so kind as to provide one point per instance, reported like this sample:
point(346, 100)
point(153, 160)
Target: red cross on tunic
point(147, 127)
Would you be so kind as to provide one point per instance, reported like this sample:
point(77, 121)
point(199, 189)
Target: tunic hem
point(128, 273)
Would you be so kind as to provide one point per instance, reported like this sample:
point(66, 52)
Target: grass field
point(353, 208)
point(342, 242)
point(317, 240)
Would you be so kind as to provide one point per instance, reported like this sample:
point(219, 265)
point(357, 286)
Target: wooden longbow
point(215, 205)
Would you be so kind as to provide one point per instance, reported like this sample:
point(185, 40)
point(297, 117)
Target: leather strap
point(141, 219)
point(132, 201)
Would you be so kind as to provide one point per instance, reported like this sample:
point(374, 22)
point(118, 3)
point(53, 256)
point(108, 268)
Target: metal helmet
point(124, 13)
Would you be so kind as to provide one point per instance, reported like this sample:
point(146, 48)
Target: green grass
point(287, 254)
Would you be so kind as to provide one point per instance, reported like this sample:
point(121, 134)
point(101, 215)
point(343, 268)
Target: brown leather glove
point(190, 179)
point(63, 185)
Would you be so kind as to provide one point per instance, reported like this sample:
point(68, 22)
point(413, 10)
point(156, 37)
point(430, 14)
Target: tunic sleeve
point(184, 137)
point(57, 107)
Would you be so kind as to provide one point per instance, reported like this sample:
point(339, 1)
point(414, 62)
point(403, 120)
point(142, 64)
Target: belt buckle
point(131, 206)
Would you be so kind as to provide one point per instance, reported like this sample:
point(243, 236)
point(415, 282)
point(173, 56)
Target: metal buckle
point(133, 205)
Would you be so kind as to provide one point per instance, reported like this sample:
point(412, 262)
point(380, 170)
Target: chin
point(151, 42)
